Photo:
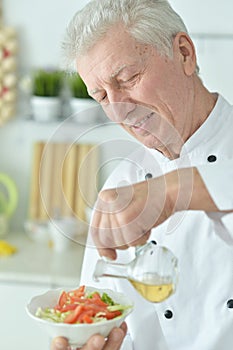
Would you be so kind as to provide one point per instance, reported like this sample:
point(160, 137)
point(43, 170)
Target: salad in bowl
point(79, 313)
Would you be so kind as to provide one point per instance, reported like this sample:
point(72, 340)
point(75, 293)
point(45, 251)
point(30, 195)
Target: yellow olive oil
point(153, 289)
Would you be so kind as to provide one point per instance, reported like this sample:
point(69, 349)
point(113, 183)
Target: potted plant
point(85, 110)
point(46, 94)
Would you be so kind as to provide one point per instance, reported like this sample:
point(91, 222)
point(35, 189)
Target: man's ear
point(184, 47)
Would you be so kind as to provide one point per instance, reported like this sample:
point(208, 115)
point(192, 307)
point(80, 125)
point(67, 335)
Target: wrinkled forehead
point(112, 54)
point(117, 38)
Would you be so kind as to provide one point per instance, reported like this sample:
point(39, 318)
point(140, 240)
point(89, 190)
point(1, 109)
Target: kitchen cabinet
point(32, 270)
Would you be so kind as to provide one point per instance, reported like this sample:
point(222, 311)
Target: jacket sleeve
point(218, 178)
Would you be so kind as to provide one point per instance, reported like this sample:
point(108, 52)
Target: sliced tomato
point(95, 307)
point(74, 299)
point(73, 316)
point(87, 319)
point(82, 309)
point(112, 314)
point(86, 316)
point(68, 307)
point(96, 299)
point(77, 292)
point(63, 299)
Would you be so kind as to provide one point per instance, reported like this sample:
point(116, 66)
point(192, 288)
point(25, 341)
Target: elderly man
point(139, 63)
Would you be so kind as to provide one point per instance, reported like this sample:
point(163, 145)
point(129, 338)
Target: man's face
point(150, 95)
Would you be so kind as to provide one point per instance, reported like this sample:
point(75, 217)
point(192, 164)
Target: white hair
point(152, 22)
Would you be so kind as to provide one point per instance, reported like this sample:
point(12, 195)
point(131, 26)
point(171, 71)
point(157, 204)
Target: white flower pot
point(85, 110)
point(46, 109)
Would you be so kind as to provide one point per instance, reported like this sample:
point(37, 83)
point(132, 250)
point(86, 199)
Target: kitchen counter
point(32, 270)
point(37, 263)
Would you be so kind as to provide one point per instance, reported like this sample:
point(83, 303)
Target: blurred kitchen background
point(30, 261)
point(40, 28)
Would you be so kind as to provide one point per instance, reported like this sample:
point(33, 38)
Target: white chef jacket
point(199, 316)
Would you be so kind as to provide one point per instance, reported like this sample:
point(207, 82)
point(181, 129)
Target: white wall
point(41, 27)
point(208, 16)
point(210, 25)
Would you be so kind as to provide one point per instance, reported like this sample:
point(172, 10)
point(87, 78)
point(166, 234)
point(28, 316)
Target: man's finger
point(108, 253)
point(59, 343)
point(116, 338)
point(96, 342)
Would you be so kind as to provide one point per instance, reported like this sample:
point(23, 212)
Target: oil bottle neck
point(108, 269)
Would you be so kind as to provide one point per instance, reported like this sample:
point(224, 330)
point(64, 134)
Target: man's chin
point(151, 142)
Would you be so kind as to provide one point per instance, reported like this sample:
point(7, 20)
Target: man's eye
point(102, 98)
point(129, 80)
point(133, 77)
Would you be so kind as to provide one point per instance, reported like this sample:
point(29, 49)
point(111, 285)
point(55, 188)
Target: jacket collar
point(210, 129)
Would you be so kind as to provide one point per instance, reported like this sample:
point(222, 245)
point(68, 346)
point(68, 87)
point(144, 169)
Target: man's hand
point(124, 216)
point(96, 342)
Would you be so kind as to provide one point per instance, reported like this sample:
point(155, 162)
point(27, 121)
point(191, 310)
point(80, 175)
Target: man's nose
point(118, 111)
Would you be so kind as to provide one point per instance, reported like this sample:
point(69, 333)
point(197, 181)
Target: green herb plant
point(77, 86)
point(47, 83)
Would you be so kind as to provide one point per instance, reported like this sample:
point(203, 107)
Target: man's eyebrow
point(94, 91)
point(112, 76)
point(117, 71)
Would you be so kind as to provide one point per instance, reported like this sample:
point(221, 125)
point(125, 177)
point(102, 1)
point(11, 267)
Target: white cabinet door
point(17, 330)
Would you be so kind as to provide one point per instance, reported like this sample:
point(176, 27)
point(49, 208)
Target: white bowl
point(77, 334)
